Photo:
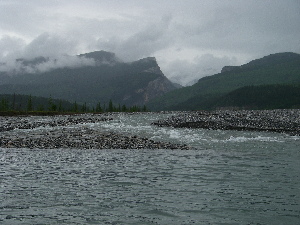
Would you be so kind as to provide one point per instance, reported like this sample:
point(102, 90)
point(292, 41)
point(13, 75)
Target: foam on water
point(138, 124)
point(257, 138)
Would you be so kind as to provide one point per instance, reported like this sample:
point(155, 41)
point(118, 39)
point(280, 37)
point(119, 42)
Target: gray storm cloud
point(49, 45)
point(230, 32)
point(153, 37)
point(52, 48)
point(61, 62)
point(13, 66)
point(188, 72)
point(9, 45)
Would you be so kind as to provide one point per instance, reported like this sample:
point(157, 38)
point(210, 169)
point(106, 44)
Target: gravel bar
point(280, 120)
point(62, 134)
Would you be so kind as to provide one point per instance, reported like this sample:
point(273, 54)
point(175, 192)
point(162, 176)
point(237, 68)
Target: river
point(231, 177)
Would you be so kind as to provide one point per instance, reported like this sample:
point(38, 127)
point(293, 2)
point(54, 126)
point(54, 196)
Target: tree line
point(28, 103)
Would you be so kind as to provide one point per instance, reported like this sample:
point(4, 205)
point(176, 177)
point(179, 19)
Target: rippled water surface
point(230, 178)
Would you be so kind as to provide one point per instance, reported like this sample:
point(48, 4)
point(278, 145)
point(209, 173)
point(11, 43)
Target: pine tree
point(144, 108)
point(40, 108)
point(98, 107)
point(110, 106)
point(50, 103)
point(14, 102)
point(60, 108)
point(124, 108)
point(75, 109)
point(84, 108)
point(29, 104)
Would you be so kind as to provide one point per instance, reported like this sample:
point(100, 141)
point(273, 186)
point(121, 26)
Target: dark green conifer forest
point(27, 103)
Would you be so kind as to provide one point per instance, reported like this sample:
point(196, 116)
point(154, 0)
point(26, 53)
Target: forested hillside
point(252, 97)
point(27, 103)
point(276, 69)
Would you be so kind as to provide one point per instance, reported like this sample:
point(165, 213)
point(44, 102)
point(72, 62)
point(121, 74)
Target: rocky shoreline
point(68, 131)
point(30, 122)
point(280, 120)
point(63, 135)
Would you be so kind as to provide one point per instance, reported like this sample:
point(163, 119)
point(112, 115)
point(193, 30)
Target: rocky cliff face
point(154, 88)
point(157, 88)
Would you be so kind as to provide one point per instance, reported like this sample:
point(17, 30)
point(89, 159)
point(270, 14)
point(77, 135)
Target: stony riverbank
point(57, 132)
point(30, 122)
point(283, 121)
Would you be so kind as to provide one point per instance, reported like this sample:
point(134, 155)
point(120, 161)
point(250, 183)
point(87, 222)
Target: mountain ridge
point(133, 83)
point(279, 68)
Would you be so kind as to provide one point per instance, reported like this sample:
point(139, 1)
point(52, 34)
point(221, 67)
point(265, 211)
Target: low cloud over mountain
point(44, 64)
point(179, 34)
point(86, 78)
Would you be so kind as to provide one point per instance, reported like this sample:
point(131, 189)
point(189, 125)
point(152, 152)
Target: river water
point(232, 177)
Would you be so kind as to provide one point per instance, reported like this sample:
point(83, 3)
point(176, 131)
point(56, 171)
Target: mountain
point(251, 97)
point(261, 97)
point(275, 69)
point(101, 57)
point(101, 77)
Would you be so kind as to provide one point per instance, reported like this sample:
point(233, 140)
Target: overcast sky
point(189, 38)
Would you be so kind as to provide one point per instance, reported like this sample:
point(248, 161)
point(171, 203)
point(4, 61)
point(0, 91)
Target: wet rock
point(31, 122)
point(64, 135)
point(281, 120)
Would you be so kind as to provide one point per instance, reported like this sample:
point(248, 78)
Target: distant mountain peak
point(150, 64)
point(34, 61)
point(228, 68)
point(275, 69)
point(91, 78)
point(101, 56)
point(148, 59)
point(271, 59)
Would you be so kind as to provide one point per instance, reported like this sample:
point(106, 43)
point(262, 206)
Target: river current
point(231, 177)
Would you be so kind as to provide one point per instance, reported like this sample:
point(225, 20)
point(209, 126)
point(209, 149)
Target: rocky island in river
point(64, 132)
point(279, 120)
point(68, 131)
